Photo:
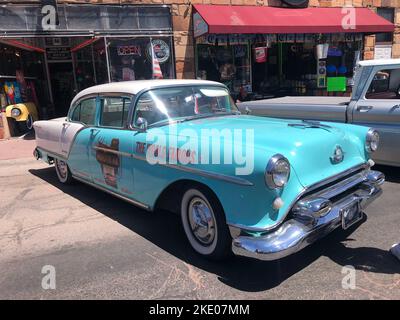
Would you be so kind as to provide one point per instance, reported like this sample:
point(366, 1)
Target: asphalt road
point(103, 248)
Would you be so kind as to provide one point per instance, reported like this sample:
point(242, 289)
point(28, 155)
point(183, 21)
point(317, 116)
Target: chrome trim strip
point(203, 173)
point(134, 202)
point(304, 191)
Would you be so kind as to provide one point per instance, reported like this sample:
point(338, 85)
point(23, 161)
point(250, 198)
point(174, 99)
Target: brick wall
point(182, 22)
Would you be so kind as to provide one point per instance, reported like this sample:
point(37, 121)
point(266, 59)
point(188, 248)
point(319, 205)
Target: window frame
point(375, 70)
point(115, 95)
point(78, 103)
point(133, 126)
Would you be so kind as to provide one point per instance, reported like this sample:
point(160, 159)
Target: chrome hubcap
point(62, 168)
point(201, 220)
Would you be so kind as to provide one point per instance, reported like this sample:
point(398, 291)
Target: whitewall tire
point(62, 170)
point(203, 221)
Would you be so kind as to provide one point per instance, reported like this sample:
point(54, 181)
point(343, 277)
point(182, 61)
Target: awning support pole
point(107, 59)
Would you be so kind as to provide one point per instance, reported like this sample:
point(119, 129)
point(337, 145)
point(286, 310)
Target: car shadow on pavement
point(164, 230)
point(392, 174)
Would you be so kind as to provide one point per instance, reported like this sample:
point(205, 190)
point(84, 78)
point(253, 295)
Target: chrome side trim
point(301, 194)
point(134, 202)
point(203, 173)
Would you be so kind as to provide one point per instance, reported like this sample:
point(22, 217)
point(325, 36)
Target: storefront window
point(270, 65)
point(229, 64)
point(22, 76)
point(130, 58)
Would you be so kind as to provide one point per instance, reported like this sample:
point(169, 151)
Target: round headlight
point(277, 172)
point(15, 112)
point(372, 141)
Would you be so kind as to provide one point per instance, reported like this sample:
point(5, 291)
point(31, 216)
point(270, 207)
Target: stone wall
point(182, 22)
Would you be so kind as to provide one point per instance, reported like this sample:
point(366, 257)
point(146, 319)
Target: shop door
point(62, 84)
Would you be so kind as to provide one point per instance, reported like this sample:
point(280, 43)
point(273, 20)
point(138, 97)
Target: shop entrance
point(62, 85)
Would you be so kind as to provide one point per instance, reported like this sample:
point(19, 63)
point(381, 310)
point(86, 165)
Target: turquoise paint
point(308, 150)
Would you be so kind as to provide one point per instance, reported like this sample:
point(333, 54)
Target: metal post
point(46, 65)
point(74, 61)
point(94, 65)
point(107, 59)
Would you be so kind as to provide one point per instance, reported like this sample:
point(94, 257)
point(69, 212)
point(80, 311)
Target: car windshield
point(178, 104)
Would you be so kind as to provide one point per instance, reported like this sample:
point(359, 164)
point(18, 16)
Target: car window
point(88, 111)
point(385, 85)
point(159, 106)
point(114, 111)
point(76, 113)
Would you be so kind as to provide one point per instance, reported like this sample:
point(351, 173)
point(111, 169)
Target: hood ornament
point(338, 155)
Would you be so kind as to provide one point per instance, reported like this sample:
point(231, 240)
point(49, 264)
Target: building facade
point(97, 41)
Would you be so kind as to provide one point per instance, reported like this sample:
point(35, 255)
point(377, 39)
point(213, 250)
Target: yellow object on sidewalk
point(23, 111)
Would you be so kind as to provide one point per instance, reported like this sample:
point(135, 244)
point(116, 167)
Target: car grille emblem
point(338, 155)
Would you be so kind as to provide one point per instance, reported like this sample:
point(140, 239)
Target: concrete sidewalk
point(16, 148)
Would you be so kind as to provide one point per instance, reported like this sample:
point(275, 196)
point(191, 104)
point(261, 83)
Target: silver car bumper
point(313, 217)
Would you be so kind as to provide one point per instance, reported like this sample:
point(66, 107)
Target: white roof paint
point(379, 62)
point(133, 87)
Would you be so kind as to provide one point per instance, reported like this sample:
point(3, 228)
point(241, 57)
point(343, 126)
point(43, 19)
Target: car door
point(76, 136)
point(111, 146)
point(379, 107)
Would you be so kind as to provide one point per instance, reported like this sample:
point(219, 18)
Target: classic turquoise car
point(259, 187)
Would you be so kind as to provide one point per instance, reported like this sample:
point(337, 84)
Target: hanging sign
point(58, 53)
point(260, 54)
point(132, 50)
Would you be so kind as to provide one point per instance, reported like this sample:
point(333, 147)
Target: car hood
point(309, 149)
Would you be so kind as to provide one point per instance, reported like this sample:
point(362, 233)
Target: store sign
point(200, 27)
point(383, 51)
point(58, 53)
point(161, 50)
point(132, 50)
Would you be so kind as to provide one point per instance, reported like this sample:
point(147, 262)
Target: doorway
point(62, 84)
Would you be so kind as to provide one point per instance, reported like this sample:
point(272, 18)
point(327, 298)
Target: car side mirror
point(142, 124)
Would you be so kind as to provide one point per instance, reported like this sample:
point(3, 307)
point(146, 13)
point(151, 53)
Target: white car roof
point(133, 87)
point(379, 62)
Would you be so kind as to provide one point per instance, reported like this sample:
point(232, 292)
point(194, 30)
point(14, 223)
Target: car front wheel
point(203, 221)
point(62, 170)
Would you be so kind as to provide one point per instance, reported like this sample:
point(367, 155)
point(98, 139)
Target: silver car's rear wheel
point(204, 223)
point(63, 173)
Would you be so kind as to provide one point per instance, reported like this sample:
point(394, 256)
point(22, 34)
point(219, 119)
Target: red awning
point(258, 19)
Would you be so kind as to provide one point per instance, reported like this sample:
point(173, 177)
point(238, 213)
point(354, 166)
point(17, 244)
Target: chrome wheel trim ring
point(29, 122)
point(201, 221)
point(62, 169)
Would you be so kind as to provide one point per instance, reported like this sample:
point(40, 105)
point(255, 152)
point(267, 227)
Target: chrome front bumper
point(311, 218)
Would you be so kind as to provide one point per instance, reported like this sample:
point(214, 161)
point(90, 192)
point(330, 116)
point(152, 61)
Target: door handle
point(364, 108)
point(396, 106)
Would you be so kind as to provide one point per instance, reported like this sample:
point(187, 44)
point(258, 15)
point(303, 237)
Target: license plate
point(351, 214)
